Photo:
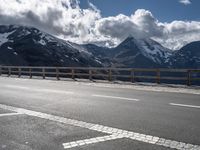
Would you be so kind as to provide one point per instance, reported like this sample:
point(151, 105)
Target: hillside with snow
point(140, 52)
point(21, 45)
point(28, 46)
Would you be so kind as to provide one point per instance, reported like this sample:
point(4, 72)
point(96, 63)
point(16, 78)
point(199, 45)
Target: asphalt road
point(57, 115)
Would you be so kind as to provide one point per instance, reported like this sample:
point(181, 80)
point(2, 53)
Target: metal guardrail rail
point(110, 74)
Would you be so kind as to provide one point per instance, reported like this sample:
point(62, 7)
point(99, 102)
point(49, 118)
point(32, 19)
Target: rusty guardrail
point(110, 74)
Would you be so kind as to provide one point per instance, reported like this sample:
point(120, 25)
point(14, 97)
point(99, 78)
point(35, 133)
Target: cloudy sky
point(173, 23)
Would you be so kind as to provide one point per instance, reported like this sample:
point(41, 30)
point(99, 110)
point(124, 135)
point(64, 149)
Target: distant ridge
point(21, 45)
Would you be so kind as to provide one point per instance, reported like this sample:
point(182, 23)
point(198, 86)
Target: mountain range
point(28, 46)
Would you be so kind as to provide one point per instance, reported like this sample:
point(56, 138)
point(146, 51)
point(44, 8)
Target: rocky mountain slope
point(140, 53)
point(187, 57)
point(21, 45)
point(29, 46)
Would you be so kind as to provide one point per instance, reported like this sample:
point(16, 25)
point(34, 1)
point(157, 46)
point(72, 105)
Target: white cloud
point(65, 19)
point(58, 17)
point(142, 24)
point(179, 33)
point(185, 2)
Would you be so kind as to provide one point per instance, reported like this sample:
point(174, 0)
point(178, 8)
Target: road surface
point(58, 115)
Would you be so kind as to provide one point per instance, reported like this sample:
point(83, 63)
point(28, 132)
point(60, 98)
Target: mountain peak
point(130, 38)
point(191, 49)
point(23, 45)
point(145, 46)
point(193, 45)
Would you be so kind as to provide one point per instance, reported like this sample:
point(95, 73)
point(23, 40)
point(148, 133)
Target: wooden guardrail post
point(132, 75)
point(19, 72)
point(189, 77)
point(57, 73)
point(90, 74)
point(43, 73)
point(110, 75)
point(30, 73)
point(73, 74)
point(9, 71)
point(158, 76)
point(0, 70)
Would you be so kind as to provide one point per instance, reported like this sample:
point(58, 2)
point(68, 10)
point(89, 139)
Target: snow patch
point(75, 59)
point(4, 37)
point(42, 42)
point(10, 48)
point(47, 37)
point(15, 53)
point(98, 61)
point(24, 32)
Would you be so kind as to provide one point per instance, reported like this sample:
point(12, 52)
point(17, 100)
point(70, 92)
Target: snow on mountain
point(150, 49)
point(140, 53)
point(22, 45)
point(29, 46)
point(4, 37)
point(154, 50)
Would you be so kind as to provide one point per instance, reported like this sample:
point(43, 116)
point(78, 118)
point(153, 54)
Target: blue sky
point(163, 10)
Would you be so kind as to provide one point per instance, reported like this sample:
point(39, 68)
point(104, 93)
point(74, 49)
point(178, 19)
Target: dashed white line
point(40, 89)
point(17, 87)
point(105, 129)
point(54, 91)
point(184, 105)
point(10, 114)
point(115, 97)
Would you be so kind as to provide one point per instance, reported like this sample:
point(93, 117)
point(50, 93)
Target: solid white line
point(91, 141)
point(10, 114)
point(184, 105)
point(114, 97)
point(105, 129)
point(40, 89)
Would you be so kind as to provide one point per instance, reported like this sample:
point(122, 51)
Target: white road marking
point(184, 105)
point(92, 141)
point(114, 97)
point(17, 87)
point(10, 114)
point(39, 89)
point(105, 129)
point(54, 91)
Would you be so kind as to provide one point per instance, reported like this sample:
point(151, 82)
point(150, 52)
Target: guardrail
point(110, 74)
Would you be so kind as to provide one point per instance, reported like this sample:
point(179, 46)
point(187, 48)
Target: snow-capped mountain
point(187, 57)
point(140, 53)
point(21, 45)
